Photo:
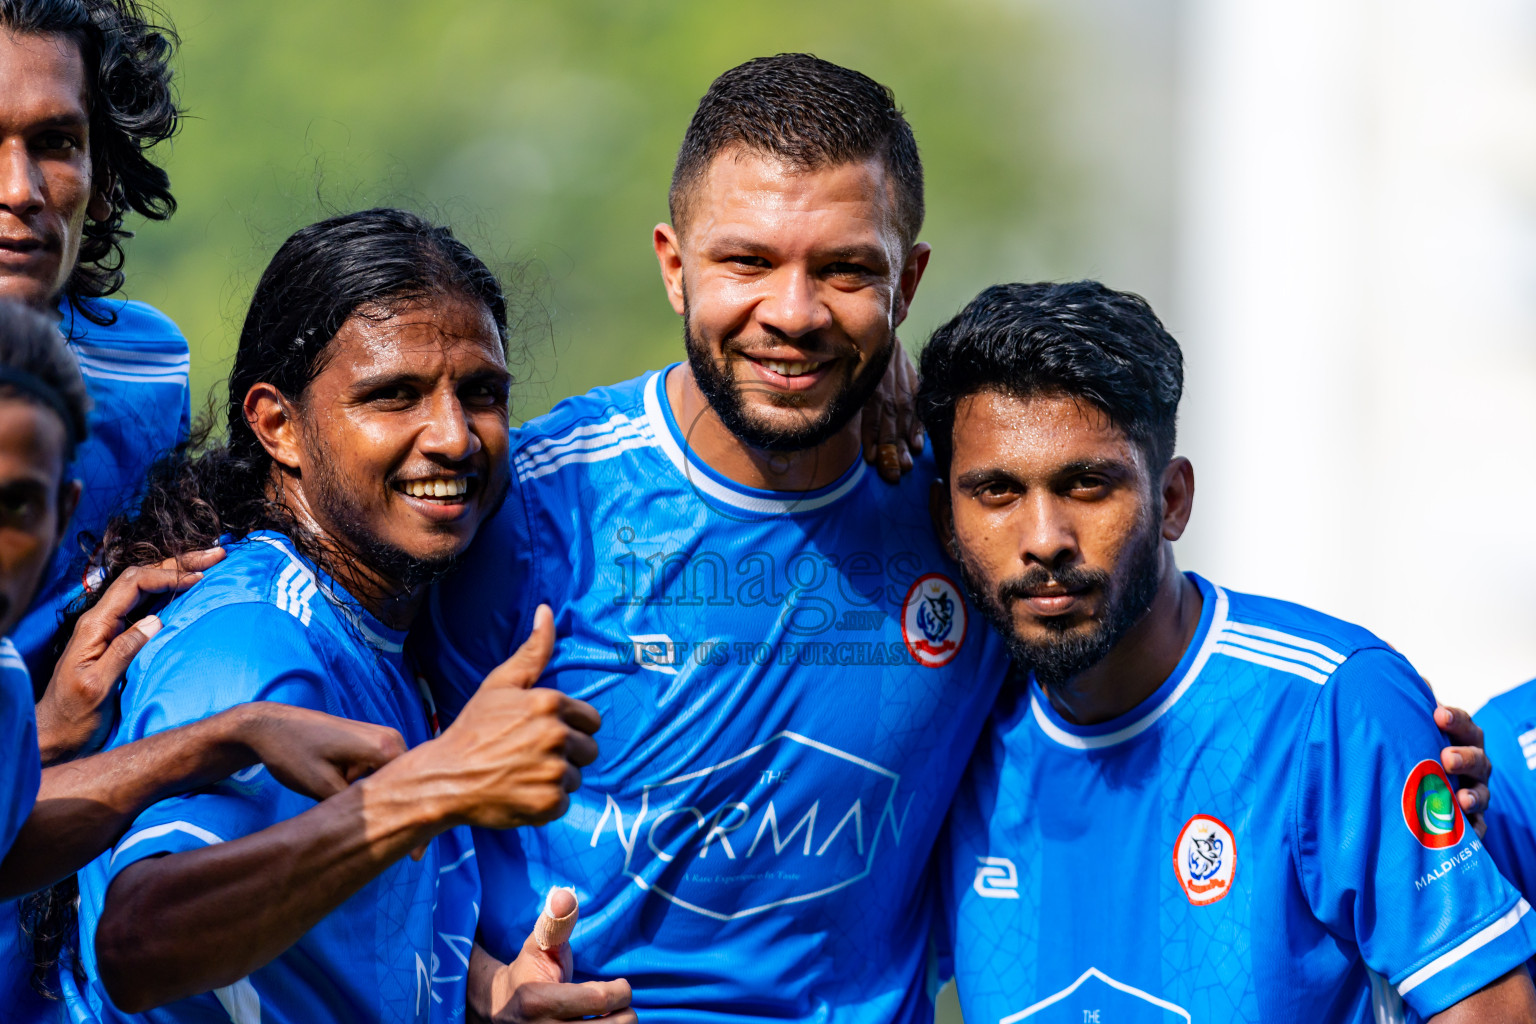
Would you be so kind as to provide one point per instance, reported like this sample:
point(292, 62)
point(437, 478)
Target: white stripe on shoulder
point(156, 831)
point(1315, 661)
point(591, 430)
point(1465, 949)
point(297, 586)
point(1279, 664)
point(599, 455)
point(10, 657)
point(132, 355)
point(240, 1001)
point(1264, 633)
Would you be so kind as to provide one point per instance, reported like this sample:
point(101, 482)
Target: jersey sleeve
point(1511, 814)
point(1385, 856)
point(230, 656)
point(18, 731)
point(481, 614)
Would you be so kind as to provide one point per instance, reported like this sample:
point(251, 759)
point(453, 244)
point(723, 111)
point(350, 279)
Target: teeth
point(438, 487)
point(790, 369)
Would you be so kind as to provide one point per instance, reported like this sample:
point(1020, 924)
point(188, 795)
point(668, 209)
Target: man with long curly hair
point(85, 93)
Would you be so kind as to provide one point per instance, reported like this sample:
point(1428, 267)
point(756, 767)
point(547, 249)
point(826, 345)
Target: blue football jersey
point(23, 766)
point(1267, 837)
point(790, 685)
point(135, 370)
point(1509, 731)
point(264, 624)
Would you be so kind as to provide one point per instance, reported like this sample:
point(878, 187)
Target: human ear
point(271, 418)
point(1178, 497)
point(943, 515)
point(911, 276)
point(69, 500)
point(669, 253)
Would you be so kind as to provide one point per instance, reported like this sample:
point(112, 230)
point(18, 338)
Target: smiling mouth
point(442, 490)
point(790, 369)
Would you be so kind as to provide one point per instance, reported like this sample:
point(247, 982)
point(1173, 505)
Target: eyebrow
point(63, 121)
point(378, 380)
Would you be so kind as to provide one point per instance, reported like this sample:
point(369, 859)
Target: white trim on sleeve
point(1467, 948)
point(156, 831)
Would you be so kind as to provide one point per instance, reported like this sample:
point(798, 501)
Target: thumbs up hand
point(536, 988)
point(515, 753)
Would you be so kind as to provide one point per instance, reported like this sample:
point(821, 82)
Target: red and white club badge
point(1205, 859)
point(933, 620)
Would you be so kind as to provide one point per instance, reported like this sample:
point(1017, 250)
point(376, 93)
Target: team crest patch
point(933, 620)
point(1205, 859)
point(1430, 808)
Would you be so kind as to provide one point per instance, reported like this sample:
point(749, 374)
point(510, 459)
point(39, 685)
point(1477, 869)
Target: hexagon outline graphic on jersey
point(887, 812)
point(1094, 972)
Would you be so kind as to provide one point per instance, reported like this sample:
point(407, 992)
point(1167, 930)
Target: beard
point(725, 395)
point(1069, 649)
point(354, 539)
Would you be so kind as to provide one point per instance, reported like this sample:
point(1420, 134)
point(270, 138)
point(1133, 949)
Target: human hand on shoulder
point(536, 987)
point(311, 752)
point(1466, 758)
point(514, 755)
point(70, 716)
point(889, 427)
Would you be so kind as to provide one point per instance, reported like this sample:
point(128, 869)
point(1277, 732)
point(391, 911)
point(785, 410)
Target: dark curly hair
point(127, 60)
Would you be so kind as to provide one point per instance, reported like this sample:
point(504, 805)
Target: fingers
point(1471, 763)
point(578, 714)
point(549, 1001)
point(558, 918)
point(195, 561)
point(1473, 801)
point(522, 670)
point(120, 653)
point(580, 749)
point(1459, 727)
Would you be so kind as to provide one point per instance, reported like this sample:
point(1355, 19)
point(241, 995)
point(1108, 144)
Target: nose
point(1047, 537)
point(21, 191)
point(449, 434)
point(794, 307)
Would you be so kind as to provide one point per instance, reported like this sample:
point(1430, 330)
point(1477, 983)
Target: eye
point(57, 142)
point(747, 262)
point(844, 269)
point(391, 396)
point(484, 394)
point(19, 506)
point(996, 492)
point(1088, 486)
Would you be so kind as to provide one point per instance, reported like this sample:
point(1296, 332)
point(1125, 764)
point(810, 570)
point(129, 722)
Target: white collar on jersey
point(712, 487)
point(1146, 719)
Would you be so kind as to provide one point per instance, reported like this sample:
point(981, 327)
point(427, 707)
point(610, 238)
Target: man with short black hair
point(1197, 804)
point(785, 666)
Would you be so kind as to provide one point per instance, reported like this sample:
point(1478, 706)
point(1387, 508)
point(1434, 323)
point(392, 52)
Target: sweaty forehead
point(415, 337)
point(744, 191)
point(42, 77)
point(1035, 434)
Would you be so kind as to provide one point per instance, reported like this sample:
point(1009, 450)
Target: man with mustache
point(85, 93)
point(789, 675)
point(1190, 803)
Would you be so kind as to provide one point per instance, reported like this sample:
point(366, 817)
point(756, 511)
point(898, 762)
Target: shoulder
point(1291, 638)
point(593, 427)
point(139, 344)
point(1514, 710)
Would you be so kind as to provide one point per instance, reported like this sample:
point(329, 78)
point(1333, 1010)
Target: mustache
point(816, 349)
point(1071, 578)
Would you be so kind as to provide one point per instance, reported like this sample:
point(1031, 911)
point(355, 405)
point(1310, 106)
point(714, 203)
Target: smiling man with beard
point(784, 663)
point(1200, 804)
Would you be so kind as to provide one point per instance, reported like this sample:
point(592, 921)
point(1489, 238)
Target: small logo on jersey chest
point(1430, 809)
point(933, 620)
point(1205, 859)
point(996, 878)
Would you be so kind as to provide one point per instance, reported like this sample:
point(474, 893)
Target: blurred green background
point(544, 132)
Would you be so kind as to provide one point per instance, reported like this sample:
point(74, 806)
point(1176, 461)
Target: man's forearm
point(84, 806)
point(177, 925)
point(1510, 1000)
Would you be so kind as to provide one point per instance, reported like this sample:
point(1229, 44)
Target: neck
point(1143, 659)
point(385, 598)
point(708, 438)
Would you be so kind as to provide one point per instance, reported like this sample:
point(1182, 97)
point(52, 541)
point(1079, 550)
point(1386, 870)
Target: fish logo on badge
point(933, 620)
point(1430, 809)
point(1205, 859)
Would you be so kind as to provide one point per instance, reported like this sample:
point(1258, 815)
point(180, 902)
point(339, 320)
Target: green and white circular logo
point(1430, 809)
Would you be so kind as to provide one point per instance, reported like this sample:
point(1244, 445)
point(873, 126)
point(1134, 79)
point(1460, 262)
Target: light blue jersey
point(1509, 730)
point(264, 624)
point(136, 373)
point(1253, 842)
point(790, 684)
